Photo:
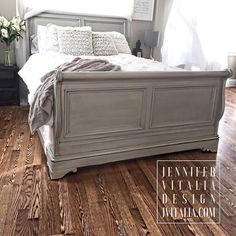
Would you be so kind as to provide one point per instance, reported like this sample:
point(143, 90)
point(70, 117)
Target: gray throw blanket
point(42, 106)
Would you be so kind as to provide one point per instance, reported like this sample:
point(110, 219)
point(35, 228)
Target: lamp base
point(151, 54)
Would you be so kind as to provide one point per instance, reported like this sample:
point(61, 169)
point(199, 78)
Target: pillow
point(52, 39)
point(75, 41)
point(103, 45)
point(120, 42)
point(34, 44)
point(46, 38)
point(42, 37)
point(52, 35)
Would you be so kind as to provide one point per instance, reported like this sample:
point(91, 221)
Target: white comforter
point(41, 63)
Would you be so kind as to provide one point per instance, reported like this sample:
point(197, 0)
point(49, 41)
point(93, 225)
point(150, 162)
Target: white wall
point(8, 10)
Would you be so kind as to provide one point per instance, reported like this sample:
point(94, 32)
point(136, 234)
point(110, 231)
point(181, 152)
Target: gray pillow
point(103, 45)
point(75, 41)
point(120, 42)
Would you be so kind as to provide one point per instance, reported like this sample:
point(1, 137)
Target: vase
point(7, 56)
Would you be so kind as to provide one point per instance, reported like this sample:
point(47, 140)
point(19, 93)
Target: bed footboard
point(105, 117)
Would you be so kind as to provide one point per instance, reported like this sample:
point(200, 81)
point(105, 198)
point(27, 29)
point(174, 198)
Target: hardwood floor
point(112, 199)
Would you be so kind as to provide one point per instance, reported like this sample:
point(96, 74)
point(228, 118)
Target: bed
point(102, 117)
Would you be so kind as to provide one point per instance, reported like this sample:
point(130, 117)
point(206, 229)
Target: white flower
point(17, 24)
point(23, 27)
point(4, 33)
point(10, 30)
point(4, 21)
point(16, 20)
point(16, 27)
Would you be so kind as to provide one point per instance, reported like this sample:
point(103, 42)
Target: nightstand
point(9, 85)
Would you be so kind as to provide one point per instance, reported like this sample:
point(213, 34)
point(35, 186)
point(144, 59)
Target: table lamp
point(151, 40)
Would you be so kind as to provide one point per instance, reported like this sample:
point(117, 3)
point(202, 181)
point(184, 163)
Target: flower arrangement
point(9, 32)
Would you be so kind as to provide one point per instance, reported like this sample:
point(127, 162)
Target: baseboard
point(231, 83)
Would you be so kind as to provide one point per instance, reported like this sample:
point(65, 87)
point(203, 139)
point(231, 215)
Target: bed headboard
point(97, 23)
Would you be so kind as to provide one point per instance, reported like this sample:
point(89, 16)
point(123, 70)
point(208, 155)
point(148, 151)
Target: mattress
point(46, 131)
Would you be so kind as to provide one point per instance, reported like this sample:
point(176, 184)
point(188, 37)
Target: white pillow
point(75, 41)
point(42, 37)
point(52, 39)
point(103, 45)
point(47, 38)
point(120, 42)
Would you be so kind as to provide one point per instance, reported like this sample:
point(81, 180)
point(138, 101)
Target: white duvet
point(41, 63)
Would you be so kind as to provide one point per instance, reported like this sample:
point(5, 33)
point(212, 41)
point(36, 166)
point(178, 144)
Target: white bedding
point(41, 63)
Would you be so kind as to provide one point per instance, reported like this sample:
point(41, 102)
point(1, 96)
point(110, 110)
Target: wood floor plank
point(12, 211)
point(97, 214)
point(145, 212)
point(108, 206)
point(36, 197)
point(81, 219)
point(23, 227)
point(65, 210)
point(50, 222)
point(27, 188)
point(121, 214)
point(5, 198)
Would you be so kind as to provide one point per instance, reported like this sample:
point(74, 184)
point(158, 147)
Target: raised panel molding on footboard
point(183, 106)
point(102, 111)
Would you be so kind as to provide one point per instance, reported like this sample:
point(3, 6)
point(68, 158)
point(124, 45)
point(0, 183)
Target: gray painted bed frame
point(110, 116)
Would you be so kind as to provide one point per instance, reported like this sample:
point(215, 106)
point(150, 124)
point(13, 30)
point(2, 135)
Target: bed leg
point(58, 174)
point(209, 150)
point(212, 148)
point(74, 170)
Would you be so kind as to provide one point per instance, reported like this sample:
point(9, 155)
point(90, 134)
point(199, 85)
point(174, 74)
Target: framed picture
point(143, 10)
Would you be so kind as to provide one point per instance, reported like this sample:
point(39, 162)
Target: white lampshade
point(151, 38)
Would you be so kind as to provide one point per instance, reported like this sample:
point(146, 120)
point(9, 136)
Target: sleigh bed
point(102, 117)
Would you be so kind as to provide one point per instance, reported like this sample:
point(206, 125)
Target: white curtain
point(200, 33)
point(115, 8)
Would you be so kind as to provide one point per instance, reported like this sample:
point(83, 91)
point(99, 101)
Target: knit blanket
point(41, 109)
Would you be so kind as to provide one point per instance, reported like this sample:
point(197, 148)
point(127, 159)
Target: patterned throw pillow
point(120, 42)
point(75, 41)
point(103, 45)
